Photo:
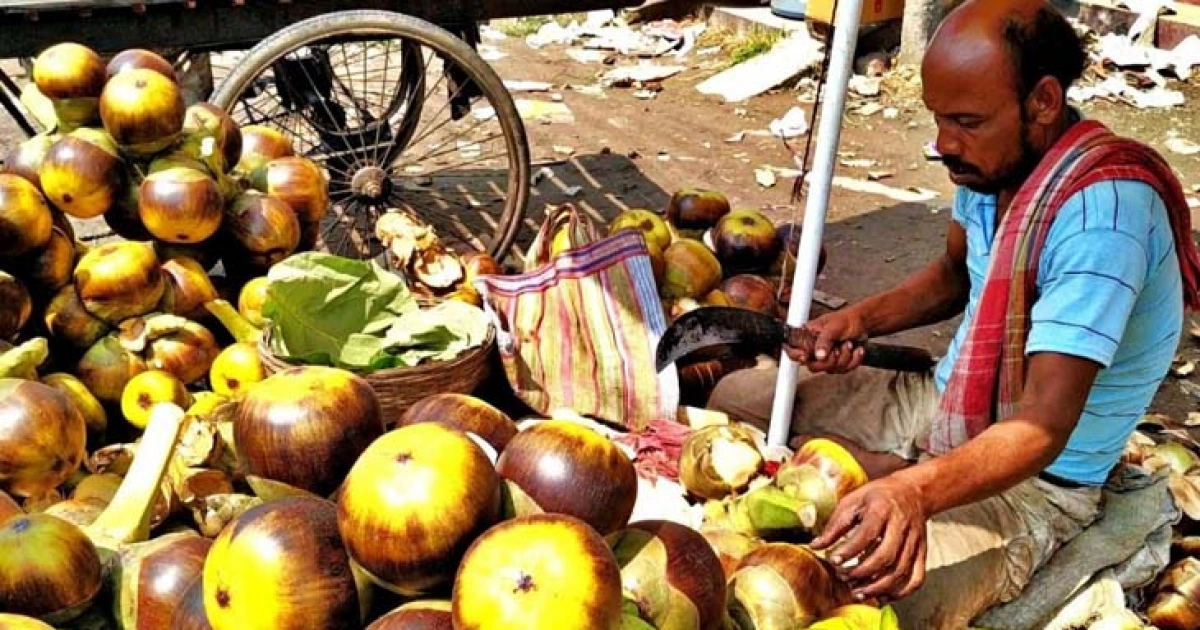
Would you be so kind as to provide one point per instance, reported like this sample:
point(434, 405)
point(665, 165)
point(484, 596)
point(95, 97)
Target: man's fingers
point(917, 578)
point(824, 345)
point(883, 558)
point(845, 357)
point(856, 358)
point(843, 518)
point(865, 534)
point(892, 578)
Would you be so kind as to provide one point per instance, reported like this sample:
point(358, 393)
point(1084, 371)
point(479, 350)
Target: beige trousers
point(979, 555)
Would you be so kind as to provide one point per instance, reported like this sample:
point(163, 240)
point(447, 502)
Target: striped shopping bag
point(580, 332)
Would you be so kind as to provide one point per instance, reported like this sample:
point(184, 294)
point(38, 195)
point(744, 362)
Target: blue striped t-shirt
point(1109, 290)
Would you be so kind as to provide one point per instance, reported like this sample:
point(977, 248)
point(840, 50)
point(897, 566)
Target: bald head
point(995, 77)
point(1028, 39)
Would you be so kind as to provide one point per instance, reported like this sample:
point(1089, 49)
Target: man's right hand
point(831, 343)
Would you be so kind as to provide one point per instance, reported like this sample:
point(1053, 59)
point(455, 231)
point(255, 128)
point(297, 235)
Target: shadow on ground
point(601, 185)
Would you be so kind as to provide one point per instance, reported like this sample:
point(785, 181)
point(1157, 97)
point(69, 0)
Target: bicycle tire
point(398, 25)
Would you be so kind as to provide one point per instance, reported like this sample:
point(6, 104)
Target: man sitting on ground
point(1070, 257)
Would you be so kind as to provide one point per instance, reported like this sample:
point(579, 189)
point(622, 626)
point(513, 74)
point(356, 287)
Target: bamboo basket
point(399, 388)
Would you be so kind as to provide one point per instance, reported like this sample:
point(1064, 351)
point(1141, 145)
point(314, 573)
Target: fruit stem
point(126, 520)
point(233, 321)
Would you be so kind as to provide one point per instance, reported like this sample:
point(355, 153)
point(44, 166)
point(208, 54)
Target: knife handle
point(885, 356)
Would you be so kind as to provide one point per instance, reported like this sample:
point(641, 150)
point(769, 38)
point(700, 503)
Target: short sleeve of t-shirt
point(958, 211)
point(1093, 267)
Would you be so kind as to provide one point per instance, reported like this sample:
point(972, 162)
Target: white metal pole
point(841, 63)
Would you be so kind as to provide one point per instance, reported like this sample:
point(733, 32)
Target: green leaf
point(317, 301)
point(438, 333)
point(360, 351)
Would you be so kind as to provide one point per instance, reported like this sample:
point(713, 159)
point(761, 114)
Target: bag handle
point(580, 231)
point(506, 341)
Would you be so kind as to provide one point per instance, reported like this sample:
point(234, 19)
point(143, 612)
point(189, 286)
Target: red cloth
point(989, 375)
point(657, 448)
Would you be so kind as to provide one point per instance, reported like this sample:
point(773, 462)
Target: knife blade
point(722, 325)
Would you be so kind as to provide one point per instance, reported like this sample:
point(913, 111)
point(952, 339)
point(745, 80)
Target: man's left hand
point(882, 524)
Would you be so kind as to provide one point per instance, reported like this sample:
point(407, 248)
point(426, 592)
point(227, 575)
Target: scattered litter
point(645, 95)
point(708, 50)
point(765, 177)
point(1128, 68)
point(527, 86)
point(591, 90)
point(542, 173)
point(663, 157)
point(931, 152)
point(859, 163)
point(1116, 87)
point(602, 36)
point(626, 41)
point(626, 76)
point(1193, 419)
point(545, 111)
point(491, 34)
point(1121, 52)
point(878, 175)
point(891, 113)
point(552, 33)
point(736, 138)
point(793, 123)
point(490, 53)
point(1183, 369)
point(786, 173)
point(1193, 202)
point(786, 59)
point(572, 191)
point(598, 18)
point(1182, 146)
point(865, 86)
point(564, 150)
point(870, 109)
point(873, 64)
point(910, 194)
point(739, 111)
point(556, 97)
point(584, 55)
point(542, 111)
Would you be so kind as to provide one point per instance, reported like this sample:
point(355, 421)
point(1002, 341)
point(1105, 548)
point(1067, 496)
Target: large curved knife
point(723, 325)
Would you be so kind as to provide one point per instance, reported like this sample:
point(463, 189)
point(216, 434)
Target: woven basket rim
point(468, 355)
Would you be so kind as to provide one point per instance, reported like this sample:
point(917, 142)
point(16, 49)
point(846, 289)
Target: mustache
point(957, 166)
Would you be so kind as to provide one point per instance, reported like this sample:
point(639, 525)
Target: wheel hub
point(371, 182)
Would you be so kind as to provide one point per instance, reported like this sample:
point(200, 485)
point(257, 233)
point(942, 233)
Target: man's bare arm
point(933, 294)
point(1013, 450)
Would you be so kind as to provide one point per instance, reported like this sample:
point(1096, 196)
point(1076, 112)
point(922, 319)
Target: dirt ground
point(625, 152)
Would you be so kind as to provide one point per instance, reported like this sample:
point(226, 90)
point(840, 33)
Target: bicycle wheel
point(432, 130)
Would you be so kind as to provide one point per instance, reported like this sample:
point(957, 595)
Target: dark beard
point(1012, 178)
